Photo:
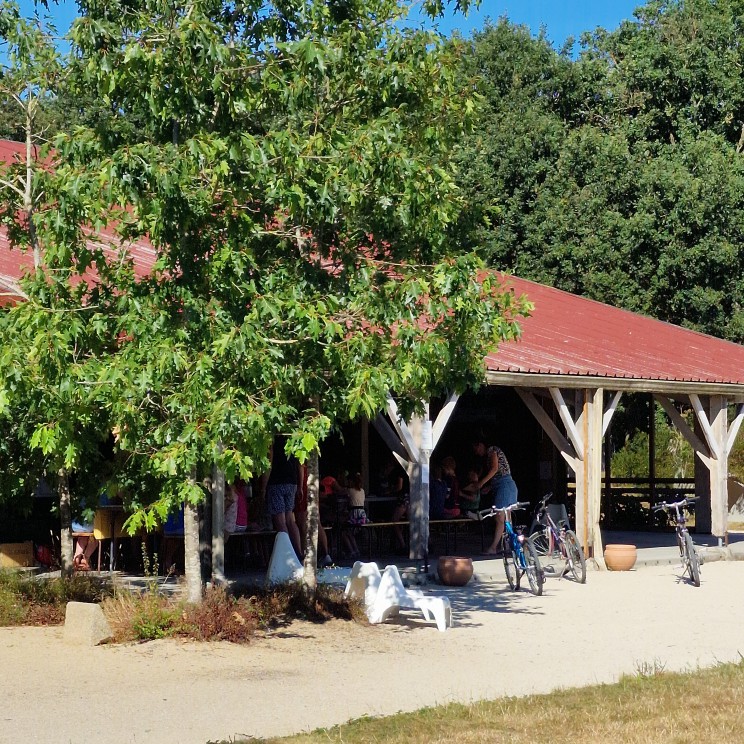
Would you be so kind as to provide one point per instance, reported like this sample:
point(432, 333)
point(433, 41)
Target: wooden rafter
point(609, 412)
point(443, 418)
point(700, 448)
point(390, 438)
point(567, 419)
point(714, 445)
point(404, 433)
point(734, 427)
point(556, 436)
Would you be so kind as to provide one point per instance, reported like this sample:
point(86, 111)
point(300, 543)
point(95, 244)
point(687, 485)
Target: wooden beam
point(701, 449)
point(568, 422)
point(734, 428)
point(578, 382)
point(609, 412)
point(383, 428)
point(404, 433)
point(549, 427)
point(443, 418)
point(714, 445)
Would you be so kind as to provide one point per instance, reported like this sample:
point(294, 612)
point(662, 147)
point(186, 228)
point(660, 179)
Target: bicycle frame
point(513, 543)
point(551, 539)
point(687, 553)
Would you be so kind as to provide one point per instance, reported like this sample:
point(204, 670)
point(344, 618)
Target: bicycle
point(687, 552)
point(519, 554)
point(556, 540)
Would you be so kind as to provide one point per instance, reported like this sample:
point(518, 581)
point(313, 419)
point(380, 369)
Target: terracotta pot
point(454, 571)
point(620, 557)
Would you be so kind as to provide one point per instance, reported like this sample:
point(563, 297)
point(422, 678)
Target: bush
point(150, 615)
point(221, 616)
point(28, 600)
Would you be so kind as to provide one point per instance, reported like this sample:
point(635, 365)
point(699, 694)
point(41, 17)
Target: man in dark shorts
point(281, 489)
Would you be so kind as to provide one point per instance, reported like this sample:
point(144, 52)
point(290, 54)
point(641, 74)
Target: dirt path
point(308, 676)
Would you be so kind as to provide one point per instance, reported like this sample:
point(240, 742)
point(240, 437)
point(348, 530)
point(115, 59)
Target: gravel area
point(305, 676)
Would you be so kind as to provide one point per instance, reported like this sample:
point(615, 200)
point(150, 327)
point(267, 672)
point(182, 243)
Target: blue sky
point(562, 18)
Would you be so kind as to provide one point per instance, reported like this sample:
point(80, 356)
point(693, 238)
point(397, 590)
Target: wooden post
point(712, 441)
point(418, 473)
point(581, 448)
point(718, 417)
point(593, 468)
point(652, 449)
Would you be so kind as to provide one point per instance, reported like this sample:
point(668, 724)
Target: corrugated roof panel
point(571, 335)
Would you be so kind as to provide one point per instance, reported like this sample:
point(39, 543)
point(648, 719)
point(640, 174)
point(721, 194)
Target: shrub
point(145, 616)
point(220, 616)
point(28, 600)
point(280, 604)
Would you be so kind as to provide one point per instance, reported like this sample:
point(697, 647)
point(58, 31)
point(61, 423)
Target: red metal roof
point(10, 150)
point(571, 335)
point(565, 335)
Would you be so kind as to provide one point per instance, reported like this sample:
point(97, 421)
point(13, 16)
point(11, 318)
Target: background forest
point(613, 169)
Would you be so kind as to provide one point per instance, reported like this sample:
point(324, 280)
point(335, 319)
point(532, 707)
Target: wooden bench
point(374, 531)
point(448, 527)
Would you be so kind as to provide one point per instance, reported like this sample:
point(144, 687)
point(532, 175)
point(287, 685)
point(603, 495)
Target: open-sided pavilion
point(575, 359)
point(570, 368)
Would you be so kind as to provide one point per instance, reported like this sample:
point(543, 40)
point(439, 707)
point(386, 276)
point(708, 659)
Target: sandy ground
point(306, 676)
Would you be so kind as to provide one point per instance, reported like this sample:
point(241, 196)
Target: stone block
point(736, 551)
point(85, 624)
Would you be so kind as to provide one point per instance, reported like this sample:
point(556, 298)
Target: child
point(470, 493)
point(452, 502)
point(357, 514)
point(437, 494)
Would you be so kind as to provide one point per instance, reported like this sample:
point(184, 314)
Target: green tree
point(293, 175)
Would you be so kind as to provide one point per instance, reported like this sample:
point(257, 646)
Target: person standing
point(498, 482)
point(281, 489)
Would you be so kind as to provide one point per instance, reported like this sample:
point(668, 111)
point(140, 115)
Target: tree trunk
point(28, 200)
point(65, 516)
point(310, 577)
point(218, 526)
point(192, 563)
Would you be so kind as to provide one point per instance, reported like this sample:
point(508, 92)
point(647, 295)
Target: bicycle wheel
point(575, 557)
point(693, 564)
point(534, 570)
point(512, 576)
point(541, 540)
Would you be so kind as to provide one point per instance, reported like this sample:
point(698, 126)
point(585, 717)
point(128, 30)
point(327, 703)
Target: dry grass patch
point(29, 600)
point(703, 706)
point(221, 616)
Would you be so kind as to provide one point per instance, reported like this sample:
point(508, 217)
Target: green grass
point(651, 706)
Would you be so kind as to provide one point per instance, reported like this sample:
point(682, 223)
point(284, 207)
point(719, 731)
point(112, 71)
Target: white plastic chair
point(385, 595)
point(364, 582)
point(284, 565)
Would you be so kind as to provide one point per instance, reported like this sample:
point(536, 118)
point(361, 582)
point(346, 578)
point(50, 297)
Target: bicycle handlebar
point(544, 500)
point(671, 505)
point(493, 509)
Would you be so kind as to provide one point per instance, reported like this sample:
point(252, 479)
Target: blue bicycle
point(520, 556)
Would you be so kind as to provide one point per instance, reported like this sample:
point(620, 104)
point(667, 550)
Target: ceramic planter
point(620, 557)
point(454, 571)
